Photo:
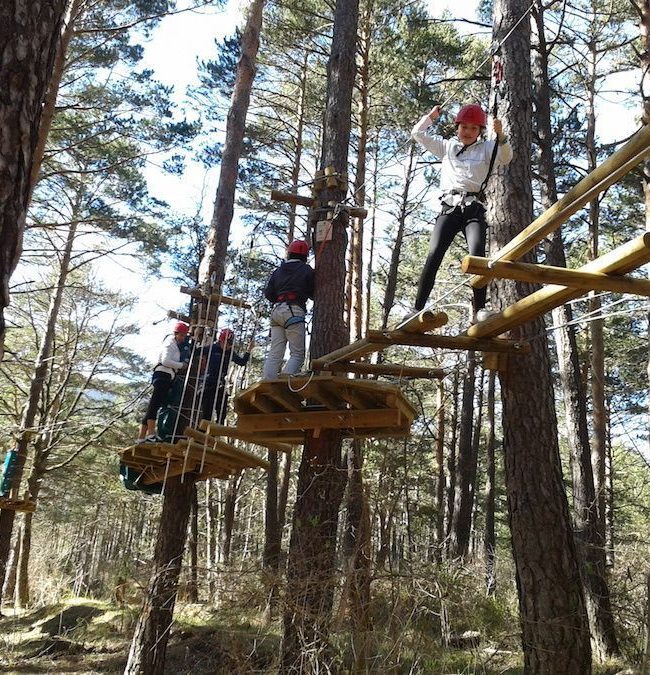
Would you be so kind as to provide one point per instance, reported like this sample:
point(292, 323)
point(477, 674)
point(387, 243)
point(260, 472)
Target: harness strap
point(497, 71)
point(293, 320)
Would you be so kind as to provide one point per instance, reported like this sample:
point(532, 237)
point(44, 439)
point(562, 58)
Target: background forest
point(424, 572)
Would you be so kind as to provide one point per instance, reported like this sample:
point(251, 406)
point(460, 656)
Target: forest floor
point(85, 636)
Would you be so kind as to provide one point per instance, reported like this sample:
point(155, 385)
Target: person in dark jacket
point(215, 360)
point(288, 289)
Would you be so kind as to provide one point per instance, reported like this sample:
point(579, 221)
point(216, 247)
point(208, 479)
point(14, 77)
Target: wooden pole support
point(171, 314)
point(214, 429)
point(547, 274)
point(621, 260)
point(424, 321)
point(355, 350)
point(217, 446)
point(386, 369)
point(301, 200)
point(464, 342)
point(198, 294)
point(611, 170)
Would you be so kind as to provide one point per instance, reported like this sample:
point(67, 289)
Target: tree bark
point(193, 585)
point(356, 267)
point(451, 458)
point(461, 523)
point(213, 265)
point(440, 465)
point(592, 552)
point(228, 517)
point(36, 386)
point(555, 633)
point(310, 573)
point(396, 252)
point(489, 538)
point(29, 34)
point(356, 552)
point(149, 644)
point(272, 535)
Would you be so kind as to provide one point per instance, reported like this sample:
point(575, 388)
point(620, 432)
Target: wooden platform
point(283, 410)
point(201, 455)
point(10, 504)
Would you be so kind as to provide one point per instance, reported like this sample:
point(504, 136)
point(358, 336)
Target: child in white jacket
point(466, 164)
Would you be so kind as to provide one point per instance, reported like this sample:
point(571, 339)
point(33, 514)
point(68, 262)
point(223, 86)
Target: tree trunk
point(440, 482)
point(489, 538)
point(36, 386)
point(592, 553)
point(149, 644)
point(284, 493)
point(272, 535)
point(310, 574)
point(9, 586)
point(466, 468)
point(396, 252)
point(193, 586)
point(213, 265)
point(29, 34)
point(474, 484)
point(297, 155)
point(356, 553)
point(228, 517)
point(356, 249)
point(555, 633)
point(150, 639)
point(49, 104)
point(451, 458)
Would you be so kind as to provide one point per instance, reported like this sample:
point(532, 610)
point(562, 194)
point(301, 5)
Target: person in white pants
point(288, 288)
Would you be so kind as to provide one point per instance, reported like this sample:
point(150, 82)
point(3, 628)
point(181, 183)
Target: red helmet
point(472, 114)
point(181, 327)
point(225, 337)
point(299, 247)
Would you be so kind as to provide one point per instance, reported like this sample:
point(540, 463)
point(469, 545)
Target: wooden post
point(621, 260)
point(547, 274)
point(385, 369)
point(609, 172)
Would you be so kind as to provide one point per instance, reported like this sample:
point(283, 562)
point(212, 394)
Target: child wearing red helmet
point(466, 165)
point(170, 361)
point(288, 289)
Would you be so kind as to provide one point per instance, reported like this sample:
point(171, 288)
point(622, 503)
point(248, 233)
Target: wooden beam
point(10, 504)
point(321, 393)
point(239, 456)
point(355, 398)
point(464, 342)
point(424, 321)
point(178, 316)
point(214, 429)
point(355, 350)
point(609, 172)
point(385, 369)
point(323, 419)
point(303, 200)
point(547, 274)
point(621, 260)
point(215, 298)
point(285, 398)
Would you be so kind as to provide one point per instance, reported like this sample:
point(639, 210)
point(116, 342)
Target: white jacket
point(467, 171)
point(169, 359)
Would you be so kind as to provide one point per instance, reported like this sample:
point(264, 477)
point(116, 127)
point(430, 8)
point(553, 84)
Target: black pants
point(469, 220)
point(214, 398)
point(161, 384)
